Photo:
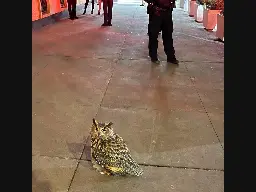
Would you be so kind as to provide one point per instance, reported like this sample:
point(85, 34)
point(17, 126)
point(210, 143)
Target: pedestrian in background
point(72, 9)
point(107, 8)
point(161, 20)
point(86, 5)
point(99, 3)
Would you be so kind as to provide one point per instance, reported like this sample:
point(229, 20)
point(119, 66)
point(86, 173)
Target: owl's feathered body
point(110, 154)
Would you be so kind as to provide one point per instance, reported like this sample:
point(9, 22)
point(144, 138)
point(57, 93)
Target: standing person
point(86, 5)
point(161, 21)
point(99, 3)
point(107, 8)
point(72, 9)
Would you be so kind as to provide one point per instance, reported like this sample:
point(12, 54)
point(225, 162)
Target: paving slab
point(166, 138)
point(52, 174)
point(206, 75)
point(65, 98)
point(156, 179)
point(147, 96)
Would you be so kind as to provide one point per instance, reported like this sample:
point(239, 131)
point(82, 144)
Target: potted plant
point(199, 11)
point(192, 7)
point(220, 26)
point(186, 5)
point(181, 3)
point(211, 10)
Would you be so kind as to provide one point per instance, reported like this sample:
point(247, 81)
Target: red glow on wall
point(45, 8)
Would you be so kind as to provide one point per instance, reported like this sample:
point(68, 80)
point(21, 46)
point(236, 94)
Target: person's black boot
point(75, 17)
point(104, 24)
point(172, 60)
point(155, 60)
point(74, 14)
point(71, 15)
point(109, 23)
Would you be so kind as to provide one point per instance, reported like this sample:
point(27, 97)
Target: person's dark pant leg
point(110, 7)
point(105, 9)
point(149, 19)
point(74, 9)
point(154, 28)
point(92, 6)
point(85, 6)
point(70, 10)
point(167, 35)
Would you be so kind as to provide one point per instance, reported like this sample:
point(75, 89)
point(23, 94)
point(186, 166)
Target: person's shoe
point(71, 18)
point(104, 24)
point(155, 60)
point(173, 60)
point(109, 24)
point(98, 12)
point(91, 12)
point(84, 12)
point(75, 17)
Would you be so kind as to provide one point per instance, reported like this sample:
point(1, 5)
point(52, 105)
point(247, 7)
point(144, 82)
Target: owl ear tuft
point(95, 123)
point(109, 124)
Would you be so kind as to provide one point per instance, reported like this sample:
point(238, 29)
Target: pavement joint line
point(142, 164)
point(180, 167)
point(55, 157)
point(134, 110)
point(181, 61)
point(80, 57)
point(202, 103)
point(123, 59)
point(196, 37)
point(73, 176)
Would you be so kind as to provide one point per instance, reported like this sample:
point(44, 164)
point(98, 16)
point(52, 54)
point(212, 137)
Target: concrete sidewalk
point(172, 118)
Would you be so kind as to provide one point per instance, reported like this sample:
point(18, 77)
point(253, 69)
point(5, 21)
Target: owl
point(109, 153)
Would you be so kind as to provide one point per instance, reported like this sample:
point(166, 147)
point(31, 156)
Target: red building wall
point(53, 6)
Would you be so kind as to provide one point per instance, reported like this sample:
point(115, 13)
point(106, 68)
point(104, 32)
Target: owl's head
point(101, 130)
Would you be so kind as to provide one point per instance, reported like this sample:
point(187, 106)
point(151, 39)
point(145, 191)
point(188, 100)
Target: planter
point(210, 18)
point(199, 13)
point(186, 5)
point(192, 8)
point(220, 27)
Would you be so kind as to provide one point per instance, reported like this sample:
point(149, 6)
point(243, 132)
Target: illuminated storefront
point(45, 8)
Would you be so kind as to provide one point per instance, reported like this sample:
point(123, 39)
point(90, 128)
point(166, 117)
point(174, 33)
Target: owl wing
point(119, 160)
